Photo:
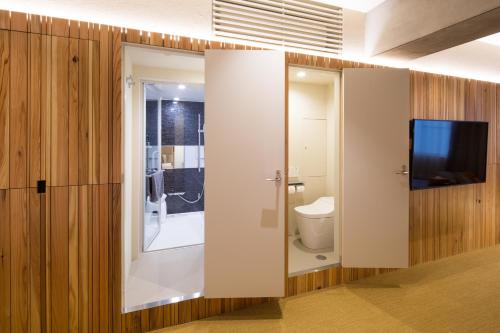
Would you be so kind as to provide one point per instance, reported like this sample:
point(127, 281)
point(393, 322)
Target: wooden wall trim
point(60, 120)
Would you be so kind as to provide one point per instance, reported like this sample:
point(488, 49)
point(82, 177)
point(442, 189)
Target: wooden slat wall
point(55, 249)
point(4, 108)
point(60, 120)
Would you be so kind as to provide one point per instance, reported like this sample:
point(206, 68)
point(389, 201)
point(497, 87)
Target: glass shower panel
point(174, 165)
point(153, 178)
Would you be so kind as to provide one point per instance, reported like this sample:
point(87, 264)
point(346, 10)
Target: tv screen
point(445, 153)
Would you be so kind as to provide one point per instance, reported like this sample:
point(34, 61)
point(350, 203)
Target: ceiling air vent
point(298, 24)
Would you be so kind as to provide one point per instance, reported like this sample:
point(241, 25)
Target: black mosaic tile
point(189, 181)
point(151, 123)
point(180, 123)
point(179, 127)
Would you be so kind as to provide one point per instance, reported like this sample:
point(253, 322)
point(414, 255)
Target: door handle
point(403, 171)
point(276, 178)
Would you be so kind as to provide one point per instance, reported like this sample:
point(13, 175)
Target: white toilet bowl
point(315, 223)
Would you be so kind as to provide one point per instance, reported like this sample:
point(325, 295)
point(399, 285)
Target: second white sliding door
point(245, 162)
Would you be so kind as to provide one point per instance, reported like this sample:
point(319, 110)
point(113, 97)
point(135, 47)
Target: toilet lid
point(323, 207)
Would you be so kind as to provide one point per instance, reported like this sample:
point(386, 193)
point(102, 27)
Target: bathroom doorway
point(174, 164)
point(313, 170)
point(164, 171)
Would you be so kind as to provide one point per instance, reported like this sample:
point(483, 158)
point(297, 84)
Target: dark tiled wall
point(179, 126)
point(189, 181)
point(179, 123)
point(151, 122)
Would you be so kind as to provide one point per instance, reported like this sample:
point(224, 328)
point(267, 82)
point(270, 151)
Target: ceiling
point(171, 91)
point(307, 75)
point(477, 59)
point(359, 5)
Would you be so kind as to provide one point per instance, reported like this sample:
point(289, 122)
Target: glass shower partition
point(153, 170)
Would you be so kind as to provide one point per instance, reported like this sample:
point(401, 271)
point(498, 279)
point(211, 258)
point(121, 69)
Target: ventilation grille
point(299, 24)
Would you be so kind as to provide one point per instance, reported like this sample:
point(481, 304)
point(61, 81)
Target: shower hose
point(194, 201)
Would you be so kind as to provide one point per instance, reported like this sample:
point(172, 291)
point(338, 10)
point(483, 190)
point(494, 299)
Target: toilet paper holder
point(296, 186)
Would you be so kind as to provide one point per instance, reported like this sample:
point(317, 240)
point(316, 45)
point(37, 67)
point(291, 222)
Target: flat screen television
point(446, 153)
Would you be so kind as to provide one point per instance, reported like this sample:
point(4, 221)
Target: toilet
point(315, 223)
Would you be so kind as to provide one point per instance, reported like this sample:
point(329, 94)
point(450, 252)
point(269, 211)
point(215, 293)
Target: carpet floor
point(456, 294)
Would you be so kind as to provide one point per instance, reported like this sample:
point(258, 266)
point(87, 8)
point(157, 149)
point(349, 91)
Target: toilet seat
point(322, 207)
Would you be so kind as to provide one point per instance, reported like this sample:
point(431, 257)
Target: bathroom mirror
point(182, 157)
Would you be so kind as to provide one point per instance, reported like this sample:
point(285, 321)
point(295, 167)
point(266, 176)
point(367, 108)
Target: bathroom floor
point(302, 260)
point(152, 281)
point(179, 230)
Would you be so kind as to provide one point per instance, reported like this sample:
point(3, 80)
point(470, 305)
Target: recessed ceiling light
point(301, 74)
point(176, 99)
point(181, 86)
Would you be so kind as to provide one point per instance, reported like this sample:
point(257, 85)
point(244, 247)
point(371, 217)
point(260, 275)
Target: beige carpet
point(458, 294)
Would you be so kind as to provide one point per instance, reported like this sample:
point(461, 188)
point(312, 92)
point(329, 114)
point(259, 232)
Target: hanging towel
point(156, 186)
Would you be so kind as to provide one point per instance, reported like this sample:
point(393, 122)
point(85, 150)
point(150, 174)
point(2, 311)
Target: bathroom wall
point(180, 123)
point(151, 123)
point(179, 127)
point(312, 150)
point(127, 186)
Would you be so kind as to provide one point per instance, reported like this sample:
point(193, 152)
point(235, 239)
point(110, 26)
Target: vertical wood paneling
point(116, 242)
point(84, 93)
point(94, 113)
point(105, 97)
point(4, 108)
point(73, 262)
point(5, 20)
point(20, 265)
point(59, 116)
point(18, 119)
point(94, 255)
point(116, 121)
point(46, 271)
point(74, 29)
point(35, 219)
point(35, 116)
point(59, 255)
point(19, 21)
point(59, 27)
point(45, 107)
point(5, 261)
point(83, 256)
point(73, 116)
point(103, 223)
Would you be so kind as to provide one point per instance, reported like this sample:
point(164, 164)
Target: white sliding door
point(375, 195)
point(244, 153)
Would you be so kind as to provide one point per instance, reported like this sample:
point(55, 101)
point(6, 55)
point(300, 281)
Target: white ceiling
point(307, 75)
point(192, 18)
point(359, 5)
point(476, 59)
point(492, 39)
point(169, 91)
